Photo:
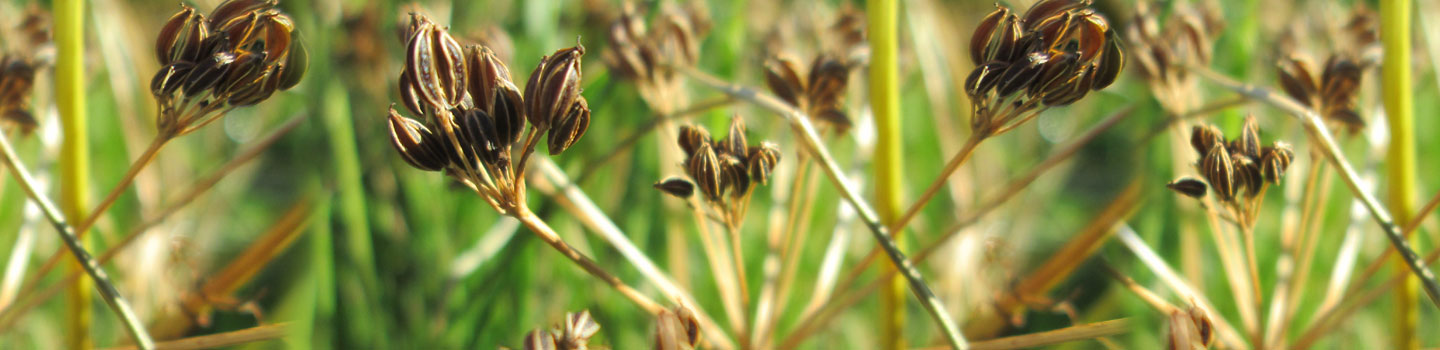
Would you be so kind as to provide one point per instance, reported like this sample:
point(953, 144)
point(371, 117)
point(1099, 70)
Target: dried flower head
point(17, 78)
point(1187, 38)
point(1333, 94)
point(650, 54)
point(723, 171)
point(240, 55)
point(677, 330)
point(1052, 55)
point(1237, 171)
point(818, 91)
point(576, 331)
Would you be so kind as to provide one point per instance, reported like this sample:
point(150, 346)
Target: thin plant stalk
point(810, 141)
point(74, 155)
point(1321, 134)
point(889, 157)
point(1398, 97)
point(108, 292)
point(10, 315)
point(548, 235)
point(953, 165)
point(1150, 259)
point(1063, 335)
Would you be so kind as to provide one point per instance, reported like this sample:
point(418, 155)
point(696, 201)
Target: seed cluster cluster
point(471, 113)
point(677, 329)
point(1052, 55)
point(238, 56)
point(818, 91)
point(647, 55)
point(1185, 39)
point(1333, 94)
point(724, 171)
point(17, 78)
point(573, 334)
point(1238, 169)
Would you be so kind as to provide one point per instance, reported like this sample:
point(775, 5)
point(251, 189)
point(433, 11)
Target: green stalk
point(74, 150)
point(1400, 155)
point(885, 101)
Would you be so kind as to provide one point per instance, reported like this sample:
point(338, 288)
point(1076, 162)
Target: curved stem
point(545, 233)
point(955, 162)
point(77, 249)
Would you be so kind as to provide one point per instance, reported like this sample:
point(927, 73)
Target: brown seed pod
point(677, 187)
point(1055, 30)
point(1249, 142)
point(1006, 43)
point(762, 162)
point(436, 64)
point(478, 136)
point(691, 137)
point(1049, 8)
point(169, 79)
point(1340, 80)
point(676, 37)
point(279, 30)
point(828, 77)
point(985, 32)
point(677, 330)
point(570, 127)
point(1275, 161)
point(627, 34)
point(233, 9)
point(181, 37)
point(261, 90)
point(484, 75)
point(248, 69)
point(1190, 187)
point(508, 109)
point(1217, 169)
point(1091, 32)
point(297, 61)
point(736, 176)
point(410, 97)
point(554, 87)
point(784, 80)
point(575, 333)
point(1247, 175)
point(1057, 74)
point(1073, 91)
point(734, 142)
point(207, 73)
point(410, 138)
point(1204, 328)
point(243, 30)
point(1112, 62)
point(538, 340)
point(1021, 74)
point(1203, 137)
point(704, 166)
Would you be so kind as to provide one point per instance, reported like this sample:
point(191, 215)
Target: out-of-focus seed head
point(575, 333)
point(1249, 142)
point(1190, 187)
point(181, 37)
point(762, 162)
point(692, 137)
point(675, 36)
point(783, 78)
point(677, 187)
point(1203, 137)
point(538, 340)
point(570, 127)
point(1275, 161)
point(828, 78)
point(704, 166)
point(734, 142)
point(1247, 175)
point(17, 79)
point(677, 330)
point(554, 87)
point(1183, 333)
point(414, 142)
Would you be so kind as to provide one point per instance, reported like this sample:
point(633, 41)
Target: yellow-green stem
point(885, 101)
point(74, 151)
point(1400, 156)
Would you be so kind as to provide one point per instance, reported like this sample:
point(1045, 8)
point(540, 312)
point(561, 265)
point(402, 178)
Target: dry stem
point(545, 233)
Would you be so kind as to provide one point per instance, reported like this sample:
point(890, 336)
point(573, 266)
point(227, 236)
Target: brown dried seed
point(676, 330)
point(408, 137)
point(1275, 161)
point(508, 109)
point(1021, 74)
point(410, 97)
point(538, 340)
point(576, 331)
point(834, 116)
point(259, 91)
point(278, 31)
point(1249, 141)
point(1219, 171)
point(1091, 34)
point(983, 79)
point(1345, 116)
point(1340, 79)
point(1004, 43)
point(243, 30)
point(477, 136)
point(762, 162)
point(297, 61)
point(1056, 74)
point(169, 79)
point(691, 137)
point(1182, 333)
point(484, 75)
point(1048, 8)
point(1112, 62)
point(570, 128)
point(207, 73)
point(435, 61)
point(553, 87)
point(232, 9)
point(1189, 187)
point(1192, 27)
point(735, 142)
point(181, 36)
point(675, 186)
point(1202, 137)
point(677, 36)
point(737, 175)
point(784, 79)
point(1247, 175)
point(983, 33)
point(828, 77)
point(248, 69)
point(704, 166)
point(1055, 30)
point(1203, 326)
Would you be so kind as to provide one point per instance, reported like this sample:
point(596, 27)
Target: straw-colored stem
point(548, 235)
point(1321, 134)
point(810, 141)
point(549, 177)
point(1063, 335)
point(714, 249)
point(1150, 259)
point(1257, 332)
point(220, 340)
point(1398, 97)
point(72, 242)
point(950, 167)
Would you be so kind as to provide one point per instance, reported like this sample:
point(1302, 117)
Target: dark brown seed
point(834, 116)
point(485, 75)
point(1275, 161)
point(409, 137)
point(983, 79)
point(1249, 142)
point(1112, 62)
point(704, 166)
point(181, 37)
point(1057, 74)
point(576, 331)
point(1091, 32)
point(1247, 175)
point(508, 110)
point(248, 69)
point(254, 93)
point(1194, 34)
point(1189, 187)
point(233, 9)
point(1056, 30)
point(1219, 171)
point(1003, 45)
point(983, 33)
point(691, 137)
point(570, 127)
point(677, 187)
point(1048, 8)
point(762, 162)
point(828, 77)
point(735, 142)
point(676, 36)
point(243, 30)
point(1203, 137)
point(207, 73)
point(436, 62)
point(553, 87)
point(1297, 81)
point(1021, 74)
point(1340, 79)
point(169, 79)
point(1346, 117)
point(784, 80)
point(297, 61)
point(737, 176)
point(278, 31)
point(410, 97)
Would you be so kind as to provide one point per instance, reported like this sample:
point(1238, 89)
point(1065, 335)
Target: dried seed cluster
point(1333, 94)
point(818, 91)
point(573, 334)
point(1237, 167)
point(724, 171)
point(473, 113)
point(1190, 329)
point(647, 55)
point(677, 330)
point(1186, 39)
point(17, 78)
point(238, 56)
